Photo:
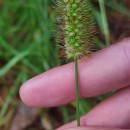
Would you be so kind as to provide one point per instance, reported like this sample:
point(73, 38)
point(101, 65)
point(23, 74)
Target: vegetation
point(27, 48)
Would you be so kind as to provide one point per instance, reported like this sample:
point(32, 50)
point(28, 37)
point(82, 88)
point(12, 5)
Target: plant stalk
point(77, 90)
point(104, 22)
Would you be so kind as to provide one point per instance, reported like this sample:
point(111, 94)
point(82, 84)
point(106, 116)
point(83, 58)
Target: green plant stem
point(104, 22)
point(77, 91)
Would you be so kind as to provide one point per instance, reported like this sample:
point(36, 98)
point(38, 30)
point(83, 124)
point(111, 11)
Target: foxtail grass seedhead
point(76, 26)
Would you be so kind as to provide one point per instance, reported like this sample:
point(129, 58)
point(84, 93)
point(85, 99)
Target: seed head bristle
point(76, 26)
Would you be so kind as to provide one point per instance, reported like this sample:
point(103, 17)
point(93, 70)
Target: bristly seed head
point(76, 27)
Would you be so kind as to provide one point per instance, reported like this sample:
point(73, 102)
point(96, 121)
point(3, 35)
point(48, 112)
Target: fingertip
point(48, 89)
point(24, 94)
point(21, 94)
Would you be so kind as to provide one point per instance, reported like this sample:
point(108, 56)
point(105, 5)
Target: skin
point(93, 128)
point(99, 73)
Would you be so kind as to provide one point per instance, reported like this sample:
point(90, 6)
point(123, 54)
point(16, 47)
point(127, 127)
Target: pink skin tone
point(94, 128)
point(99, 73)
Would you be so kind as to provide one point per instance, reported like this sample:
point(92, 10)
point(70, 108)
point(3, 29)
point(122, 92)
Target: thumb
point(93, 128)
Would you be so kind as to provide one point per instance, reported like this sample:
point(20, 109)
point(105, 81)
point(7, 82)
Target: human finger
point(112, 113)
point(93, 128)
point(101, 72)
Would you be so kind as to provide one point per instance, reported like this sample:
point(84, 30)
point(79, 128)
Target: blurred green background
point(28, 48)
